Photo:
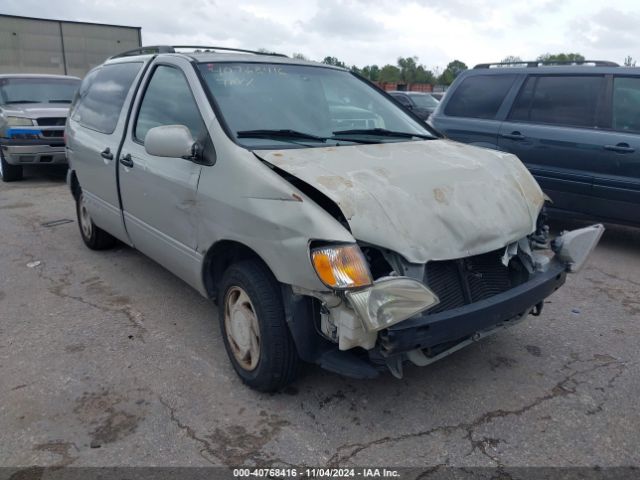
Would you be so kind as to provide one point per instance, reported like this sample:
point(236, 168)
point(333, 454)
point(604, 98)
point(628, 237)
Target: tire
point(93, 237)
point(8, 172)
point(276, 364)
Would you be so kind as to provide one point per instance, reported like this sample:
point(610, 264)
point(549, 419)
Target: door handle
point(513, 135)
point(106, 154)
point(620, 148)
point(126, 160)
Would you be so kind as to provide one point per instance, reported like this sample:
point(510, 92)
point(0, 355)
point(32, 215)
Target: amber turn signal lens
point(341, 266)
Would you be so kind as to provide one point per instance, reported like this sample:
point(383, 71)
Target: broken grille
point(467, 280)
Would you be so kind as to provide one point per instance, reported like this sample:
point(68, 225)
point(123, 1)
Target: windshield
point(424, 101)
point(268, 103)
point(37, 90)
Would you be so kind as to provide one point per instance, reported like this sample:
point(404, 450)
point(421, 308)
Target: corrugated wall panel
point(87, 45)
point(31, 45)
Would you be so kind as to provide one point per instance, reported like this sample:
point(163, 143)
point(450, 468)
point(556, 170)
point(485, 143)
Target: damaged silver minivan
point(329, 224)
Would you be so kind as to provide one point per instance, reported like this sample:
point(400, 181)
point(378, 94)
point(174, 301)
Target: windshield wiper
point(382, 132)
point(60, 101)
point(20, 101)
point(292, 135)
point(278, 134)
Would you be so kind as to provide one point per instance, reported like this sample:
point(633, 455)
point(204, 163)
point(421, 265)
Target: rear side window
point(479, 96)
point(560, 100)
point(626, 104)
point(102, 94)
point(168, 101)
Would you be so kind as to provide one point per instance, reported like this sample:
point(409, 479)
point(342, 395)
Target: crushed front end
point(423, 312)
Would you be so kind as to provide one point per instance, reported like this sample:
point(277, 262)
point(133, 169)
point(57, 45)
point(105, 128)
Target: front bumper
point(437, 332)
point(427, 337)
point(26, 152)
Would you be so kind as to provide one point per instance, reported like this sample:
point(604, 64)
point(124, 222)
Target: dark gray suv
point(576, 127)
point(421, 104)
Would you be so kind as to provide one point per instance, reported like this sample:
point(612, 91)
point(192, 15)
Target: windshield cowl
point(355, 136)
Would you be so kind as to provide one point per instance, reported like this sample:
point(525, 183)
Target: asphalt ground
point(107, 359)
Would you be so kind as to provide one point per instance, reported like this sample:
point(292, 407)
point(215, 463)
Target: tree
point(629, 61)
point(511, 59)
point(451, 72)
point(334, 61)
point(299, 56)
point(412, 72)
point(370, 72)
point(374, 73)
point(456, 67)
point(560, 57)
point(389, 73)
point(446, 77)
point(425, 76)
point(408, 69)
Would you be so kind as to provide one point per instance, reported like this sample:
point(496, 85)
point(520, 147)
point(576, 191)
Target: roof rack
point(154, 49)
point(544, 63)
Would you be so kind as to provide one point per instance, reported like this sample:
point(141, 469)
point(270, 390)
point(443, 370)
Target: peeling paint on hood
point(427, 200)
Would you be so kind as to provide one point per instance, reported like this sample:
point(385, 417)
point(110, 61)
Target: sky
point(364, 32)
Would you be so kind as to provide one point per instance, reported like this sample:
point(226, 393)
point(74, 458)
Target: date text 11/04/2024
point(316, 472)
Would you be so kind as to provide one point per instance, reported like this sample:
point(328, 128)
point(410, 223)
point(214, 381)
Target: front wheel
point(8, 172)
point(254, 329)
point(93, 237)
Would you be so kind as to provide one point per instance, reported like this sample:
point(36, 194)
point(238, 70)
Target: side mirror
point(170, 141)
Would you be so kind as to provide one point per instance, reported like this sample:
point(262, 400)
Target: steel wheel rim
point(85, 219)
point(242, 328)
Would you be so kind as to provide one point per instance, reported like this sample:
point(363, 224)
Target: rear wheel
point(94, 237)
point(8, 172)
point(254, 329)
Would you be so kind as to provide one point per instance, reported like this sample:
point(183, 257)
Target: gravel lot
point(108, 359)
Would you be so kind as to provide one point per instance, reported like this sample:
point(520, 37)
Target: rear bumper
point(427, 332)
point(26, 152)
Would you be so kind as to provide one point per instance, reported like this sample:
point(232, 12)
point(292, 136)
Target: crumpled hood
point(427, 200)
point(36, 110)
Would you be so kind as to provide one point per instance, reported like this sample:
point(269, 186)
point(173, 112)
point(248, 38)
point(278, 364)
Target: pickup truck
point(33, 112)
point(359, 248)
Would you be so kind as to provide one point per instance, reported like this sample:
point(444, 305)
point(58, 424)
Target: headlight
point(19, 122)
point(574, 247)
point(391, 300)
point(341, 266)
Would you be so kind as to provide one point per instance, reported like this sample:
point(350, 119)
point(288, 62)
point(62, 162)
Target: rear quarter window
point(479, 96)
point(102, 94)
point(569, 100)
point(626, 104)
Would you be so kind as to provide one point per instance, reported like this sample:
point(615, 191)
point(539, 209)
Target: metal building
point(37, 45)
